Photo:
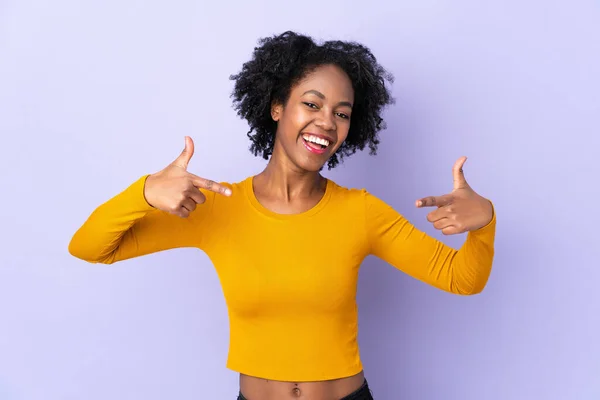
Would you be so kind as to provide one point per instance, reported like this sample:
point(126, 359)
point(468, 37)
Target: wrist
point(146, 192)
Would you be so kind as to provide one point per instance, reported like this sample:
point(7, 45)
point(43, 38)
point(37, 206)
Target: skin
point(291, 183)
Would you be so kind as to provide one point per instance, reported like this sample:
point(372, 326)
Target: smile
point(314, 143)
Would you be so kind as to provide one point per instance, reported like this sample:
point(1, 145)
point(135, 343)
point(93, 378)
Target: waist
point(252, 388)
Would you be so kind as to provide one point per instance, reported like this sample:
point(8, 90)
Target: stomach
point(254, 388)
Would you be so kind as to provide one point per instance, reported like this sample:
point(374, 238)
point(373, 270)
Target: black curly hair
point(283, 60)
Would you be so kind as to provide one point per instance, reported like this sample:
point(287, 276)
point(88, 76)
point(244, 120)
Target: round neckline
point(251, 196)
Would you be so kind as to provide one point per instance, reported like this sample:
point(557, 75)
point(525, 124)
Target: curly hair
point(281, 61)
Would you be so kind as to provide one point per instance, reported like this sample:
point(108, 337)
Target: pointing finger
point(208, 184)
point(434, 201)
point(458, 174)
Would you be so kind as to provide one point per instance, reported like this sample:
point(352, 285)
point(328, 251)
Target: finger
point(189, 204)
point(458, 174)
point(182, 212)
point(434, 201)
point(443, 223)
point(208, 184)
point(439, 213)
point(447, 226)
point(452, 230)
point(186, 155)
point(197, 196)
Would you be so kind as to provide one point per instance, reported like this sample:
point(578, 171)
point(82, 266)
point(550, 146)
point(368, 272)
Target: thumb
point(184, 158)
point(459, 176)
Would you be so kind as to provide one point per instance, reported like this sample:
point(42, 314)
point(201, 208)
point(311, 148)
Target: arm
point(127, 226)
point(395, 240)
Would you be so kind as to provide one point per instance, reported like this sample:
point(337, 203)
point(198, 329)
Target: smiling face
point(315, 121)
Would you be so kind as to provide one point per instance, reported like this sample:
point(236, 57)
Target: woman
point(287, 243)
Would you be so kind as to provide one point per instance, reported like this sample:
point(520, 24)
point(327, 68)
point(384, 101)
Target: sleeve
point(127, 226)
point(392, 238)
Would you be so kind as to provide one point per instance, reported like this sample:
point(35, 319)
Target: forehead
point(330, 80)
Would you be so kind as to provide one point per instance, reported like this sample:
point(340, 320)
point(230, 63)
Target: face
point(315, 121)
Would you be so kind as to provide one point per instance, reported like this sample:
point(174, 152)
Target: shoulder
point(349, 199)
point(348, 193)
point(373, 206)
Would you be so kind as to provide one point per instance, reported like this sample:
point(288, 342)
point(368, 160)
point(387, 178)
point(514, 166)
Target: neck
point(286, 181)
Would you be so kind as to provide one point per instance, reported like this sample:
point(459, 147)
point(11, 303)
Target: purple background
point(95, 94)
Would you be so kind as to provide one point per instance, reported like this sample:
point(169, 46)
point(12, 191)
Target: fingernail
point(228, 192)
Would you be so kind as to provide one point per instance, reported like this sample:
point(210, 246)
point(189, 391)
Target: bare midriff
point(254, 388)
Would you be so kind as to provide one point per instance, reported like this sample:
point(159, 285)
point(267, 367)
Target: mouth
point(315, 144)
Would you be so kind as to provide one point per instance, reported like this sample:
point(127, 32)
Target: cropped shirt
point(289, 281)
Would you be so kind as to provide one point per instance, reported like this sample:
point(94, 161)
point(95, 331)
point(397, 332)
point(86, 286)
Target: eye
point(342, 115)
point(311, 105)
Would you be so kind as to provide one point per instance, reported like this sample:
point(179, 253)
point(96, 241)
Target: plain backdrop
point(95, 94)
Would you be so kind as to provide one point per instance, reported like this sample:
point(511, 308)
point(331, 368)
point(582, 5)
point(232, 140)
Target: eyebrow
point(322, 96)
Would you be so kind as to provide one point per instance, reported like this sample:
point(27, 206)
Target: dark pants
point(362, 393)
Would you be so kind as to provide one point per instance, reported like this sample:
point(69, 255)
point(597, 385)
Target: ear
point(276, 110)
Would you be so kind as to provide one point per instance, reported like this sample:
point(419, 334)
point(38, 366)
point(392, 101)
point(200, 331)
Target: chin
point(310, 165)
point(310, 161)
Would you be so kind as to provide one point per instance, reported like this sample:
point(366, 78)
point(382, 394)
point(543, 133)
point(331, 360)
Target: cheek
point(294, 121)
point(302, 117)
point(342, 132)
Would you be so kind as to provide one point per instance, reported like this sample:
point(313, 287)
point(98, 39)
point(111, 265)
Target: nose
point(326, 122)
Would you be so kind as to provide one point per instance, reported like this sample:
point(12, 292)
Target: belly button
point(296, 392)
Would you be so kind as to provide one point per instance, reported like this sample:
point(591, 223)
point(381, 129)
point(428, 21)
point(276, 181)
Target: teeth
point(317, 140)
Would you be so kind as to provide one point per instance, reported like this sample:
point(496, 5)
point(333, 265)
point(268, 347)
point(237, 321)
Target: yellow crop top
point(289, 281)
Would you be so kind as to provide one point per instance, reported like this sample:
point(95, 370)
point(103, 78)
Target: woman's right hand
point(175, 190)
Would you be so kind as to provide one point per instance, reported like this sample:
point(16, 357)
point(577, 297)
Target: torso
point(289, 279)
point(256, 388)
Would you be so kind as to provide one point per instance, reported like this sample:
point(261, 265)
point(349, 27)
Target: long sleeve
point(395, 240)
point(126, 226)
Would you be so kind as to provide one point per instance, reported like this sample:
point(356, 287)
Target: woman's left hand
point(461, 210)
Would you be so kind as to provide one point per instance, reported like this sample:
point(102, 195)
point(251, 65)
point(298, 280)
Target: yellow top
point(289, 281)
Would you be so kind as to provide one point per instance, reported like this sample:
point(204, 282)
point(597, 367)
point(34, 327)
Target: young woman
point(287, 243)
